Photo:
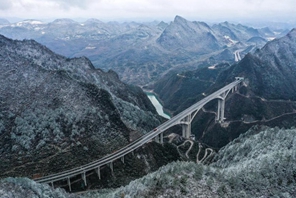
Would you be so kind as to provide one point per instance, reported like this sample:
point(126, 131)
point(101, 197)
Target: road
point(237, 56)
point(189, 149)
point(137, 143)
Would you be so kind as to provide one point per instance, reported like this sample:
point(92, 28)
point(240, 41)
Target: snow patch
point(90, 48)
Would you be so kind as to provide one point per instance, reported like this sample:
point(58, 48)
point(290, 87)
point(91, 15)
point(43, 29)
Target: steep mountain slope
point(259, 163)
point(271, 70)
point(57, 113)
point(142, 53)
point(267, 96)
point(179, 90)
point(23, 187)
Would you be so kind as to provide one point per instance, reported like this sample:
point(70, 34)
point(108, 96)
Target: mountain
point(58, 113)
point(267, 96)
point(259, 163)
point(236, 32)
point(271, 70)
point(142, 53)
point(23, 187)
point(197, 37)
point(257, 40)
point(4, 22)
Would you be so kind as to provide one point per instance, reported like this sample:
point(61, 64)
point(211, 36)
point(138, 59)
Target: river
point(157, 105)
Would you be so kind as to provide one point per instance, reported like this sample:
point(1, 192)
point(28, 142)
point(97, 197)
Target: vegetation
point(58, 113)
point(260, 163)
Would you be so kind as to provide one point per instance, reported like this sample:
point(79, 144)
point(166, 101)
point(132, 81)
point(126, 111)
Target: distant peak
point(162, 24)
point(4, 22)
point(292, 34)
point(64, 21)
point(226, 24)
point(293, 31)
point(93, 20)
point(31, 21)
point(3, 37)
point(179, 19)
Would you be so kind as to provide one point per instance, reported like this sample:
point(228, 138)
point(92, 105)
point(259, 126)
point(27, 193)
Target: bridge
point(184, 118)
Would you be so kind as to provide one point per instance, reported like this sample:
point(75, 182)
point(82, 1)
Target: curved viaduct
point(184, 118)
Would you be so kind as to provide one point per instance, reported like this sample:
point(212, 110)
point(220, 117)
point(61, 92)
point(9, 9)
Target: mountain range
point(58, 113)
point(267, 97)
point(142, 53)
point(259, 163)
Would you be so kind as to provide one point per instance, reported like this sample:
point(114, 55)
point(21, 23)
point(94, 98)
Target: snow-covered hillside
point(260, 163)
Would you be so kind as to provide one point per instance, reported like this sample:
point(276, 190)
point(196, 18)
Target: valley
point(71, 107)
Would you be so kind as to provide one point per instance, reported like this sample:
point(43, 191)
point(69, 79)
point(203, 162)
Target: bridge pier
point(122, 159)
point(220, 111)
point(159, 138)
point(83, 175)
point(186, 126)
point(98, 171)
point(186, 130)
point(69, 184)
point(156, 139)
point(221, 106)
point(111, 167)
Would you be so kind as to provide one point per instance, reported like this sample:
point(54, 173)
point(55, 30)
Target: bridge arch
point(187, 119)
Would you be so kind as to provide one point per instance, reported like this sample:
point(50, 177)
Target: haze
point(148, 10)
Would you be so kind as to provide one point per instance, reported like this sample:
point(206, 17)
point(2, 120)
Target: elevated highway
point(184, 118)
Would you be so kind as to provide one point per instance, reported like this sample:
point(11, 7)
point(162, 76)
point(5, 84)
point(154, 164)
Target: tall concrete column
point(69, 184)
point(84, 178)
point(161, 138)
point(111, 167)
point(221, 109)
point(218, 111)
point(186, 126)
point(98, 171)
point(157, 139)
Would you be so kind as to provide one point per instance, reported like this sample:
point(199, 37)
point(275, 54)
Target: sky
point(149, 10)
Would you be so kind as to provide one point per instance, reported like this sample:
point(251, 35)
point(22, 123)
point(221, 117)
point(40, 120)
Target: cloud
point(120, 10)
point(67, 4)
point(5, 4)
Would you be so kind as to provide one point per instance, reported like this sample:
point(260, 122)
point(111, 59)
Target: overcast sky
point(148, 10)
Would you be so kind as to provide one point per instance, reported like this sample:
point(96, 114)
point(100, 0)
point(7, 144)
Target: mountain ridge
point(185, 44)
point(266, 97)
point(54, 109)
